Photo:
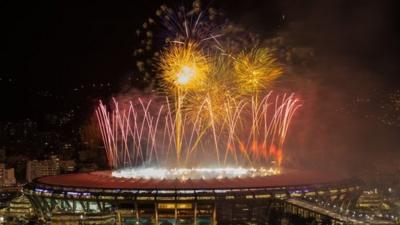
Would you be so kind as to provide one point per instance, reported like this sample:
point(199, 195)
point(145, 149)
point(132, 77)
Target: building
point(100, 198)
point(40, 168)
point(7, 176)
point(67, 166)
point(8, 186)
point(370, 200)
point(19, 210)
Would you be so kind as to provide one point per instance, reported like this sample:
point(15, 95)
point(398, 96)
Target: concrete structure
point(97, 197)
point(333, 215)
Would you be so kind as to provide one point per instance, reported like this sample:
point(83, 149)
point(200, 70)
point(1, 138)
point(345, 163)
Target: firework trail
point(218, 103)
point(135, 136)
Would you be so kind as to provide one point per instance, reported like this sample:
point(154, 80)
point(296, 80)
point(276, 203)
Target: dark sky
point(55, 47)
point(49, 49)
point(59, 45)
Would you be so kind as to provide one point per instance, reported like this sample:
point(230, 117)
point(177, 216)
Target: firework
point(256, 69)
point(194, 173)
point(218, 104)
point(183, 66)
point(217, 87)
point(135, 136)
point(205, 26)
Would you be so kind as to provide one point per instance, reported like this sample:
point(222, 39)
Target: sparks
point(137, 136)
point(217, 105)
point(183, 66)
point(185, 75)
point(194, 173)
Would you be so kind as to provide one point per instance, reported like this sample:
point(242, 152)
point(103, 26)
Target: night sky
point(56, 56)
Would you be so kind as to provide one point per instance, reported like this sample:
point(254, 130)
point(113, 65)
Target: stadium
point(100, 198)
point(213, 111)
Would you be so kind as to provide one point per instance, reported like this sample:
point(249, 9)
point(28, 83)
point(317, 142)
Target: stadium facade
point(99, 198)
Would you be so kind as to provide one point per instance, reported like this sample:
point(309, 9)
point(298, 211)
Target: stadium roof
point(104, 180)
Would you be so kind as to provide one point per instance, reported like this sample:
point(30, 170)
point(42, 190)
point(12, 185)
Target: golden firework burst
point(256, 69)
point(184, 66)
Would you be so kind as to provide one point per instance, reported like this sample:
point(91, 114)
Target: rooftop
point(105, 180)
